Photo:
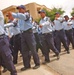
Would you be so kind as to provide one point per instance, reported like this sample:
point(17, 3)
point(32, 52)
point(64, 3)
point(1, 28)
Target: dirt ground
point(63, 66)
point(43, 70)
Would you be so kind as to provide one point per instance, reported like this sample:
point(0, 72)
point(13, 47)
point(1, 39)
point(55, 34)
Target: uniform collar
point(44, 18)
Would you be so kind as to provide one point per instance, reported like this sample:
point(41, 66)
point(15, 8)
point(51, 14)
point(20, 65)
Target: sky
point(66, 5)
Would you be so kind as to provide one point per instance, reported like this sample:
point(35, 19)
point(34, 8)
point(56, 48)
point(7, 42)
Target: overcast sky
point(67, 5)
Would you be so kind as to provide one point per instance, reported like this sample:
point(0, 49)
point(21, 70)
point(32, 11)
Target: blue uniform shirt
point(58, 23)
point(72, 23)
point(1, 23)
point(67, 25)
point(24, 22)
point(13, 28)
point(46, 25)
point(1, 18)
point(35, 27)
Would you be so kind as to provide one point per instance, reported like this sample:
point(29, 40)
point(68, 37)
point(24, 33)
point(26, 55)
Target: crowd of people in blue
point(23, 34)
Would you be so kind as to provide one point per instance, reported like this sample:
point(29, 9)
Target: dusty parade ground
point(63, 66)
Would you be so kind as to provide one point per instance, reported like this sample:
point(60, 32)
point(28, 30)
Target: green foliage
point(5, 21)
point(72, 13)
point(51, 14)
point(38, 20)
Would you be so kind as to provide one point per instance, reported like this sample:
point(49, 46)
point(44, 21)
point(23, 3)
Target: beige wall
point(32, 7)
point(11, 8)
point(33, 10)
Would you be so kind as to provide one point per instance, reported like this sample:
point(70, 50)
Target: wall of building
point(33, 8)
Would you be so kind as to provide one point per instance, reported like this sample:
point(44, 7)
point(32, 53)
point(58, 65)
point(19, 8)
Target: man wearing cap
point(60, 33)
point(5, 52)
point(68, 30)
point(27, 38)
point(47, 39)
point(72, 19)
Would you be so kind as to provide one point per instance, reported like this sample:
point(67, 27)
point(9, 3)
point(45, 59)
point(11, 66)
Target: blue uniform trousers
point(38, 42)
point(17, 47)
point(5, 55)
point(28, 44)
point(48, 43)
point(73, 32)
point(60, 37)
point(70, 38)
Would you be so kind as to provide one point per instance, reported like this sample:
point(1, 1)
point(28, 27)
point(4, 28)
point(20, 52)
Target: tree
point(72, 13)
point(5, 20)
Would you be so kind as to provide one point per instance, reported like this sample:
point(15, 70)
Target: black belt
point(36, 33)
point(47, 33)
point(59, 30)
point(2, 36)
point(27, 30)
point(69, 30)
point(17, 34)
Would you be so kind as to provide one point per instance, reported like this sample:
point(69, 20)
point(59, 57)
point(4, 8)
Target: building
point(33, 8)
